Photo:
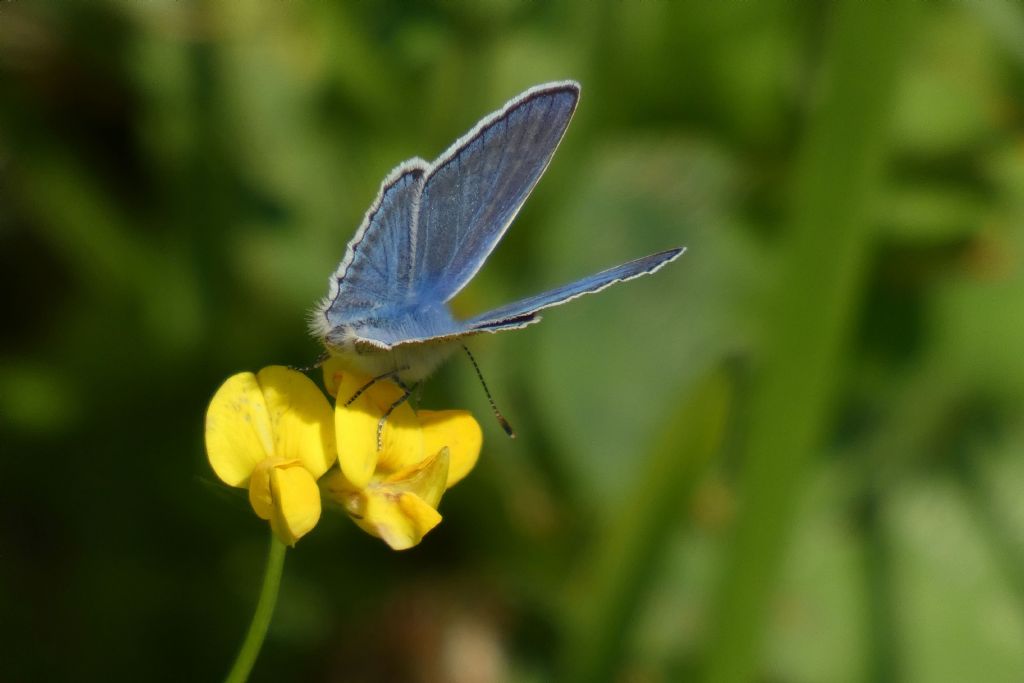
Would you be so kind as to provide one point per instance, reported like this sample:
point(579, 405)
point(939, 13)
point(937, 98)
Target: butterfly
point(430, 230)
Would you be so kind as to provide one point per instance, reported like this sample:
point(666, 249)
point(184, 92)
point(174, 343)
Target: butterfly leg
point(391, 374)
point(406, 393)
point(320, 360)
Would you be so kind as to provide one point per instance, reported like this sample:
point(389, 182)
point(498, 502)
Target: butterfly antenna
point(494, 407)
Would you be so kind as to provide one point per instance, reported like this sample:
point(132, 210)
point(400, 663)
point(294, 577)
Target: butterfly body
point(430, 230)
point(410, 362)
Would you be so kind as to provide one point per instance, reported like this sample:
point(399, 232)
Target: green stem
point(619, 570)
point(261, 618)
point(820, 287)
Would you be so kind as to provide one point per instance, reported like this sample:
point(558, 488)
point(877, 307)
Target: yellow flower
point(273, 433)
point(393, 492)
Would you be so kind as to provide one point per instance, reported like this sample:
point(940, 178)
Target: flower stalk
point(261, 617)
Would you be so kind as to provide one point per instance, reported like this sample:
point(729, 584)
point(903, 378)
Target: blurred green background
point(794, 455)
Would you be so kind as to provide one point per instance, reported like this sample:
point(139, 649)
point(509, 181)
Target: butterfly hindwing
point(418, 332)
point(377, 263)
point(516, 315)
point(530, 306)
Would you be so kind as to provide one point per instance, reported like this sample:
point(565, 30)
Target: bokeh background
point(793, 455)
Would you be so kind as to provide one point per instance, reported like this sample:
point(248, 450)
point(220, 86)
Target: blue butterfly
point(430, 230)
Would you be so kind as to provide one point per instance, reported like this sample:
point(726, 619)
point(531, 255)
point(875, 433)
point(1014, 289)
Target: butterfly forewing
point(476, 188)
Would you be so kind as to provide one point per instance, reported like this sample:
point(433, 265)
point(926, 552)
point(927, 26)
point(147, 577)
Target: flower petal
point(297, 502)
point(333, 369)
point(426, 479)
point(355, 429)
point(284, 492)
point(400, 519)
point(341, 490)
point(303, 426)
point(460, 432)
point(355, 426)
point(261, 496)
point(402, 437)
point(239, 433)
